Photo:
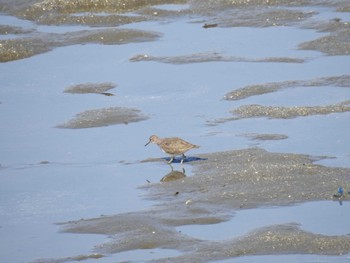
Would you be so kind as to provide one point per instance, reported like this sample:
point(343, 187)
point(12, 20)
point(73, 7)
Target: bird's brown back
point(176, 146)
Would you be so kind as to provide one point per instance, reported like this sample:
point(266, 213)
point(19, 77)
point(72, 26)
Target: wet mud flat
point(104, 117)
point(221, 184)
point(284, 112)
point(100, 18)
point(224, 183)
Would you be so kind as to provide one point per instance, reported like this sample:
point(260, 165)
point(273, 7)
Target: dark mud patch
point(254, 90)
point(117, 13)
point(344, 8)
point(209, 57)
point(279, 13)
point(104, 117)
point(332, 25)
point(265, 137)
point(271, 112)
point(69, 259)
point(254, 177)
point(166, 10)
point(13, 30)
point(223, 183)
point(215, 6)
point(261, 17)
point(274, 240)
point(93, 13)
point(258, 13)
point(34, 44)
point(15, 49)
point(337, 43)
point(88, 88)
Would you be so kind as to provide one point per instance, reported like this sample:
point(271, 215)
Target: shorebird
point(173, 146)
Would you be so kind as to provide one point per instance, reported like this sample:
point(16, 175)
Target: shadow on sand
point(186, 160)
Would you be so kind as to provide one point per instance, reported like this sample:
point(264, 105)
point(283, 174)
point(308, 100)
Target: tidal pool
point(327, 218)
point(179, 68)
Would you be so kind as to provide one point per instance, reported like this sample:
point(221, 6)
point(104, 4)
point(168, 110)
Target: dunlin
point(173, 146)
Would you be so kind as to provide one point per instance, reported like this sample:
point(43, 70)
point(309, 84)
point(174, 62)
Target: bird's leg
point(183, 158)
point(172, 169)
point(171, 160)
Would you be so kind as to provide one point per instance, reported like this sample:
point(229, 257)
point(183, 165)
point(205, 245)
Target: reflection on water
point(262, 53)
point(311, 216)
point(174, 175)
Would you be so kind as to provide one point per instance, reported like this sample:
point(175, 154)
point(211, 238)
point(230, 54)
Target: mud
point(337, 43)
point(275, 240)
point(222, 183)
point(274, 112)
point(13, 30)
point(38, 43)
point(265, 137)
point(262, 17)
point(253, 90)
point(87, 88)
point(104, 117)
point(69, 259)
point(219, 185)
point(18, 49)
point(54, 11)
point(216, 6)
point(209, 57)
point(259, 111)
point(117, 13)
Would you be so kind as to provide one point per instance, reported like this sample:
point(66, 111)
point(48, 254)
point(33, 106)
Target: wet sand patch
point(34, 44)
point(69, 259)
point(13, 30)
point(15, 49)
point(255, 177)
point(62, 12)
point(262, 17)
point(271, 112)
point(274, 240)
point(209, 57)
point(275, 112)
point(166, 10)
point(265, 137)
point(87, 88)
point(253, 90)
point(261, 14)
point(186, 200)
point(111, 14)
point(104, 117)
point(279, 13)
point(223, 183)
point(337, 43)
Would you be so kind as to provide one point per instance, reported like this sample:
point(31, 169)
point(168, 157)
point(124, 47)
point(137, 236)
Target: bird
point(173, 146)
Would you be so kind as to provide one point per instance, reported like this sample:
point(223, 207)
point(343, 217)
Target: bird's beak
point(147, 143)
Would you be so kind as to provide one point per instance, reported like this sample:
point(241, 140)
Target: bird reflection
point(173, 175)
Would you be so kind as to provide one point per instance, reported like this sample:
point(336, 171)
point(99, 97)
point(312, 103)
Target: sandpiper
point(173, 146)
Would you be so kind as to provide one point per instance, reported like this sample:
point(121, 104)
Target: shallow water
point(50, 175)
point(326, 218)
point(288, 259)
